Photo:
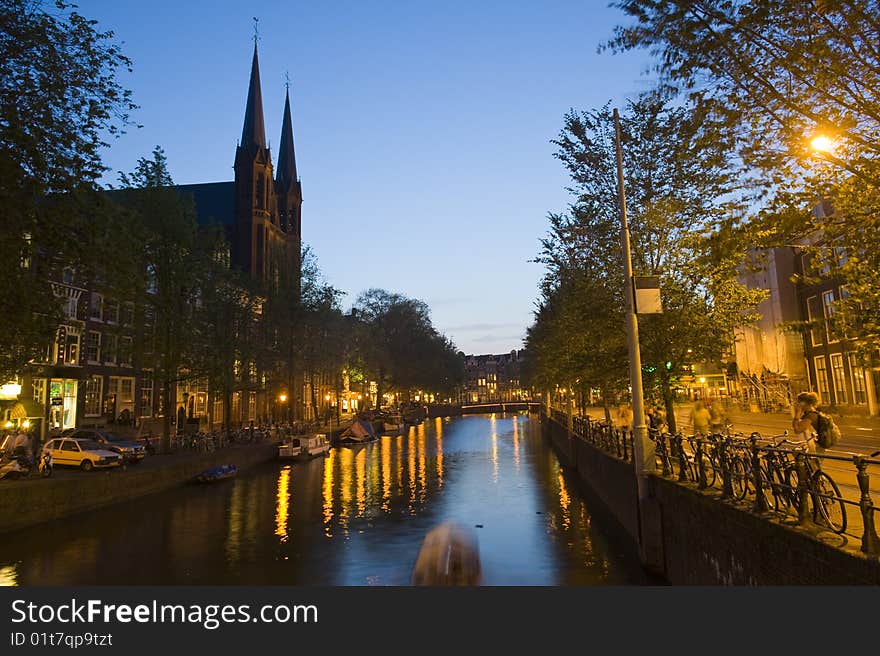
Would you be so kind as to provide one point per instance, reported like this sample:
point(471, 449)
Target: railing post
point(727, 483)
point(702, 482)
point(682, 459)
point(870, 541)
point(803, 488)
point(760, 505)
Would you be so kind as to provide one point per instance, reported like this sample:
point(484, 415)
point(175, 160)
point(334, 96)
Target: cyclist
point(806, 421)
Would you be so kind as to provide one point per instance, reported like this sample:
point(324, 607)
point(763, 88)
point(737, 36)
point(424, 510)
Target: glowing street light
point(282, 397)
point(822, 143)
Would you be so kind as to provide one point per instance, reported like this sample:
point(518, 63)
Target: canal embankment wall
point(701, 540)
point(26, 503)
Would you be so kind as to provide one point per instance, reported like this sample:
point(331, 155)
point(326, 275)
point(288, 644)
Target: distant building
point(494, 378)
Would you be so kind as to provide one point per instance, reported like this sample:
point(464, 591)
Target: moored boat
point(311, 446)
point(215, 474)
point(360, 432)
point(289, 450)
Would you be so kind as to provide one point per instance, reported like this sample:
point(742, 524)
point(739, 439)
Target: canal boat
point(216, 474)
point(289, 450)
point(311, 446)
point(361, 431)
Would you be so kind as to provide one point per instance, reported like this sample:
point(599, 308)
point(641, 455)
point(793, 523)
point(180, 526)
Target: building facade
point(97, 370)
point(494, 378)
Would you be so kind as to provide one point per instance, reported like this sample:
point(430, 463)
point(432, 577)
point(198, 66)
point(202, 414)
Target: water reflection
point(282, 510)
point(355, 517)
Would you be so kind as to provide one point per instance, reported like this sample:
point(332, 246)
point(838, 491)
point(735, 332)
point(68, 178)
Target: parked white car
point(85, 454)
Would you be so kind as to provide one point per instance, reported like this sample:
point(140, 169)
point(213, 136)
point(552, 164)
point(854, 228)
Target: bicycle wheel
point(772, 489)
point(739, 478)
point(709, 466)
point(790, 488)
point(826, 497)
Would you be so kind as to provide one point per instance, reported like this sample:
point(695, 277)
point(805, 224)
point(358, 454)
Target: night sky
point(422, 130)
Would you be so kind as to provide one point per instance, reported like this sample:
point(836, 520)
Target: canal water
point(356, 517)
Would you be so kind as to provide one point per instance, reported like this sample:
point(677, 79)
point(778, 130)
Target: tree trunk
point(227, 413)
point(669, 403)
point(166, 416)
point(314, 396)
point(606, 406)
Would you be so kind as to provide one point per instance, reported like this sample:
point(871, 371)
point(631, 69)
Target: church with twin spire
point(261, 209)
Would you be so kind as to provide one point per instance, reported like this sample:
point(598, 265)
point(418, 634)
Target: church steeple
point(286, 172)
point(253, 134)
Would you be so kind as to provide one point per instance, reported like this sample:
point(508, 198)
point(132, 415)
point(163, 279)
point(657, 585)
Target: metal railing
point(773, 476)
point(600, 434)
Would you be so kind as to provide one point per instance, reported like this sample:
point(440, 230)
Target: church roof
point(214, 201)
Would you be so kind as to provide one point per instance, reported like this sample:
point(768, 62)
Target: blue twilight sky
point(422, 130)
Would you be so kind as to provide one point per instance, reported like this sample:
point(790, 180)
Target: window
point(812, 316)
point(828, 306)
point(71, 304)
point(111, 311)
point(128, 314)
point(67, 276)
point(96, 307)
point(68, 345)
point(94, 387)
point(821, 378)
point(146, 397)
point(111, 348)
point(39, 390)
point(838, 375)
point(93, 346)
point(252, 406)
point(860, 392)
point(125, 349)
point(69, 445)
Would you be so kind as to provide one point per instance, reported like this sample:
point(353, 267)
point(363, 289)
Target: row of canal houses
point(97, 371)
point(775, 362)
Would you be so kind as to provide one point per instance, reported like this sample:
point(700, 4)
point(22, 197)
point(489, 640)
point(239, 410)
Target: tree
point(169, 270)
point(224, 321)
point(59, 100)
point(683, 229)
point(777, 74)
point(400, 347)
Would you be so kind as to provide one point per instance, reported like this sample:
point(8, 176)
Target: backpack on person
point(827, 432)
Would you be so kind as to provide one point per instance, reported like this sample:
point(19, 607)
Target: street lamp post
point(643, 448)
